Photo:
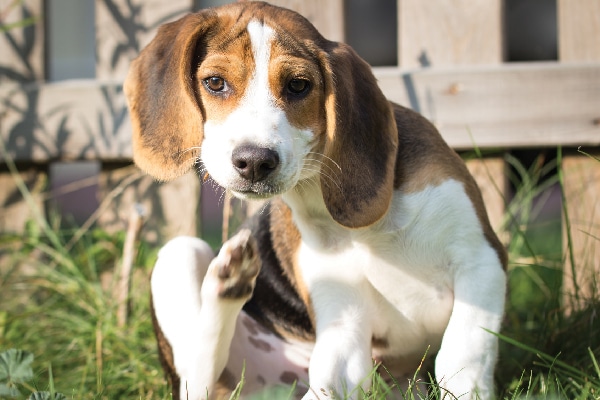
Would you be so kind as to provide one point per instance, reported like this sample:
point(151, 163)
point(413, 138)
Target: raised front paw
point(236, 267)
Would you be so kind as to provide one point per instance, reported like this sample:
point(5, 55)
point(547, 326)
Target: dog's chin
point(249, 195)
point(257, 191)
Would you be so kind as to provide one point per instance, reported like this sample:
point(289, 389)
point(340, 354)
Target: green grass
point(59, 306)
point(57, 303)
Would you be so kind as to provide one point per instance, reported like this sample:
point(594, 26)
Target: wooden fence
point(451, 60)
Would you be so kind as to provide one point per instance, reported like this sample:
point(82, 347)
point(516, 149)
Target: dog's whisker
point(190, 149)
point(318, 166)
point(328, 177)
point(328, 158)
point(301, 186)
point(323, 164)
point(181, 153)
point(263, 208)
point(191, 160)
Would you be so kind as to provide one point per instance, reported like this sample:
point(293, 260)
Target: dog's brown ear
point(165, 113)
point(361, 142)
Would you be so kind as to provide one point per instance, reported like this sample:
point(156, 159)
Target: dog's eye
point(215, 84)
point(298, 86)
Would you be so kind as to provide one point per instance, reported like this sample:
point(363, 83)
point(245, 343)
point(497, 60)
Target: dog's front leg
point(341, 362)
point(197, 302)
point(466, 360)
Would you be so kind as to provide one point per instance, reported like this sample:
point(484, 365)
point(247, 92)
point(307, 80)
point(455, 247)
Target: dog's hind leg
point(196, 301)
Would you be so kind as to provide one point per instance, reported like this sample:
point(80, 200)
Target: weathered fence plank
point(14, 210)
point(513, 105)
point(83, 119)
point(449, 32)
point(123, 28)
point(172, 207)
point(581, 278)
point(326, 16)
point(579, 30)
point(22, 44)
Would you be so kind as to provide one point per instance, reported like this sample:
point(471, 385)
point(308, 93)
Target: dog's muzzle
point(255, 166)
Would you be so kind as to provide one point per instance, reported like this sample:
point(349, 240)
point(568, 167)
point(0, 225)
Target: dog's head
point(263, 101)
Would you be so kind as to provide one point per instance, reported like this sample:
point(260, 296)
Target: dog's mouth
point(256, 191)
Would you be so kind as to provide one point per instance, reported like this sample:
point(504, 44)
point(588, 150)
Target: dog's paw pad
point(237, 266)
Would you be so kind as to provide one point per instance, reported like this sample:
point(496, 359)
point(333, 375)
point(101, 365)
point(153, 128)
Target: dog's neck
point(311, 216)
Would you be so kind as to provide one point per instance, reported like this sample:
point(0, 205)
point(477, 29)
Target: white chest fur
point(395, 279)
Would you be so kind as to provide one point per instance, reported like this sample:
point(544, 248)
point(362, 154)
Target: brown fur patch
point(226, 384)
point(304, 111)
point(251, 326)
point(166, 118)
point(165, 354)
point(361, 139)
point(260, 344)
point(236, 69)
point(288, 377)
point(379, 342)
point(286, 241)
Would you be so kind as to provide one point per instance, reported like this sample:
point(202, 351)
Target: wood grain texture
point(581, 279)
point(578, 33)
point(22, 45)
point(326, 16)
point(124, 28)
point(449, 32)
point(489, 173)
point(513, 105)
point(579, 30)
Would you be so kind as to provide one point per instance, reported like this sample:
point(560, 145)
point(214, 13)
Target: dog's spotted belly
point(409, 325)
point(266, 359)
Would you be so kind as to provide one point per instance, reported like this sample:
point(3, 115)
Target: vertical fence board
point(326, 16)
point(579, 30)
point(14, 210)
point(582, 189)
point(22, 45)
point(578, 33)
point(489, 174)
point(21, 60)
point(124, 27)
point(449, 32)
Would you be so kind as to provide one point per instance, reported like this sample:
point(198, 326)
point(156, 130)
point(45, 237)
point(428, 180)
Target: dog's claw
point(237, 266)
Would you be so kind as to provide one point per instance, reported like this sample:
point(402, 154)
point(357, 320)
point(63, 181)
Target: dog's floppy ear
point(361, 142)
point(165, 113)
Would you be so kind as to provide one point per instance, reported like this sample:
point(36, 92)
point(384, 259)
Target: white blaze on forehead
point(260, 39)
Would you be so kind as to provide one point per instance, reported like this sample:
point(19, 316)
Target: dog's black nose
point(254, 163)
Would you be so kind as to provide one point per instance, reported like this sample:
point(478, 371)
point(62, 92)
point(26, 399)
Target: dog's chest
point(398, 274)
point(398, 288)
point(398, 279)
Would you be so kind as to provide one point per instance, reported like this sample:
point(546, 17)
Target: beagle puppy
point(375, 247)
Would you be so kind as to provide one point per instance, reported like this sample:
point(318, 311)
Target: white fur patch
point(198, 324)
point(422, 276)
